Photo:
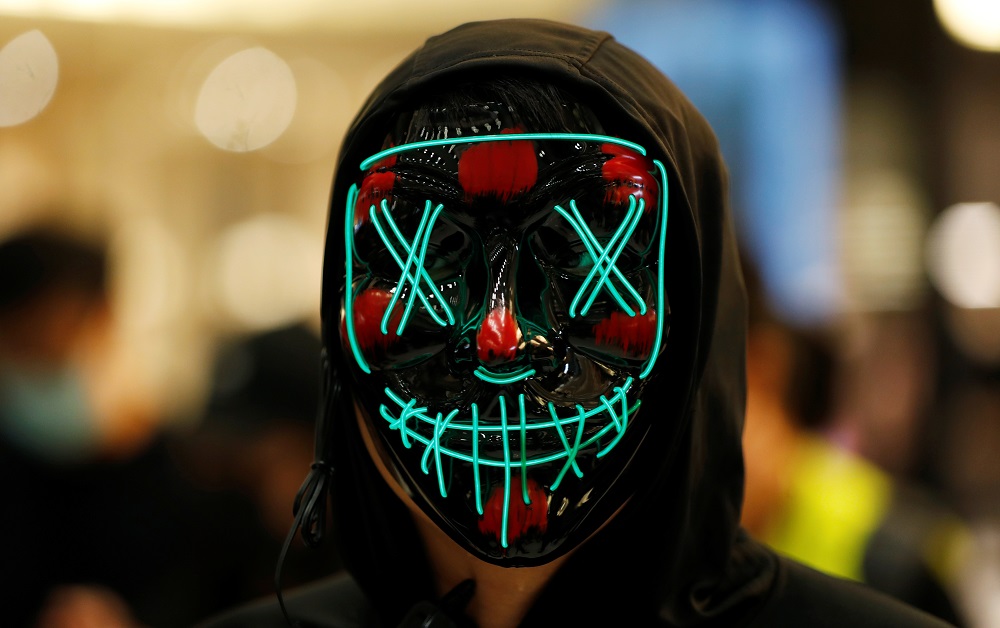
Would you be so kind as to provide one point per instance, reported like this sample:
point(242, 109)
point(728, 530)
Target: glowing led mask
point(504, 308)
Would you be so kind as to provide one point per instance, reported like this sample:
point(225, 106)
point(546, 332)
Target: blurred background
point(182, 151)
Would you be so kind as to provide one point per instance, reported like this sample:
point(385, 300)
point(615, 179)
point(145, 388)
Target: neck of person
point(503, 595)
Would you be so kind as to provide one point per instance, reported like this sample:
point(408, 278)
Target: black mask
point(504, 311)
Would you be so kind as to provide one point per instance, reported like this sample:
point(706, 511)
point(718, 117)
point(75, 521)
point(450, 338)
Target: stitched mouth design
point(417, 425)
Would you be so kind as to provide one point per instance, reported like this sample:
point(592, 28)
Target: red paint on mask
point(521, 518)
point(376, 185)
point(498, 337)
point(627, 174)
point(369, 307)
point(498, 169)
point(632, 334)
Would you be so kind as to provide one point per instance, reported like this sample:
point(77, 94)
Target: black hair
point(42, 259)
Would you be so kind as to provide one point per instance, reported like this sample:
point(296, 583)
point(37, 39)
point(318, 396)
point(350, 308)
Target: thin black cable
point(310, 506)
point(314, 489)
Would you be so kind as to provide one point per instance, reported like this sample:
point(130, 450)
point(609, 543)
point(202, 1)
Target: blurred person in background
point(252, 442)
point(99, 527)
point(815, 501)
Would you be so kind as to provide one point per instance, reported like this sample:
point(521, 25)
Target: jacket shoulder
point(335, 602)
point(805, 597)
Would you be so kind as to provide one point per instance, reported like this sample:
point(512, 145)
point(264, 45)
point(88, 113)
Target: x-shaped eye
point(412, 267)
point(604, 258)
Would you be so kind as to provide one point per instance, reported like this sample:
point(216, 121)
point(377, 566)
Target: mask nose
point(498, 338)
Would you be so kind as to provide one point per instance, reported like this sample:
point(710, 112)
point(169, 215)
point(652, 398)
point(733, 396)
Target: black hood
point(675, 553)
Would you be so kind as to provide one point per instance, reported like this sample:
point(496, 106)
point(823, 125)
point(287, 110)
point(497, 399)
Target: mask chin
point(507, 493)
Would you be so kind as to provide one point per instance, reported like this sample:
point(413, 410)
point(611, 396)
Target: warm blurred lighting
point(344, 15)
point(320, 117)
point(975, 23)
point(247, 101)
point(882, 230)
point(963, 255)
point(29, 70)
point(269, 270)
point(975, 332)
point(149, 275)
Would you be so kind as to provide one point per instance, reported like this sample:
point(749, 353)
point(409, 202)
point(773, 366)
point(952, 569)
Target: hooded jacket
point(674, 555)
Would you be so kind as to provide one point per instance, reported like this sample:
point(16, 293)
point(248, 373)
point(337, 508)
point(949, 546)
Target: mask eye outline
point(352, 195)
point(604, 263)
point(416, 252)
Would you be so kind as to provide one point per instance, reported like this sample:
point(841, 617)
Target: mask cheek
point(609, 334)
point(624, 336)
point(376, 336)
point(368, 310)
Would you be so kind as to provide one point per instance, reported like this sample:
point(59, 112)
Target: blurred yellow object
point(835, 503)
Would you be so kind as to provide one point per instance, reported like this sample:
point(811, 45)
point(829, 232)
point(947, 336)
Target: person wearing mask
point(534, 333)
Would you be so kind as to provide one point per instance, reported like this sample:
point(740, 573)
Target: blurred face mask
point(503, 312)
point(45, 413)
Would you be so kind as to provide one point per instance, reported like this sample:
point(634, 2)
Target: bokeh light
point(320, 120)
point(975, 23)
point(268, 271)
point(29, 71)
point(247, 101)
point(963, 255)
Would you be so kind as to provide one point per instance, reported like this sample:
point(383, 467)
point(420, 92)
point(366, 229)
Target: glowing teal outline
point(409, 248)
point(486, 375)
point(524, 453)
point(506, 469)
point(423, 236)
point(409, 410)
point(433, 445)
point(602, 263)
point(571, 453)
point(660, 269)
point(352, 195)
point(506, 137)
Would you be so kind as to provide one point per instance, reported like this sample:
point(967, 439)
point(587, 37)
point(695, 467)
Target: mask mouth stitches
point(450, 435)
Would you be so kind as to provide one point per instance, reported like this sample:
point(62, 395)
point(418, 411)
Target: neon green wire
point(620, 425)
point(565, 443)
point(423, 271)
point(424, 241)
point(493, 378)
point(506, 471)
point(603, 262)
point(524, 455)
point(420, 413)
point(571, 455)
point(352, 197)
point(397, 293)
point(614, 268)
point(475, 457)
point(507, 137)
point(660, 306)
point(439, 428)
point(593, 246)
point(399, 262)
point(532, 462)
point(613, 260)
